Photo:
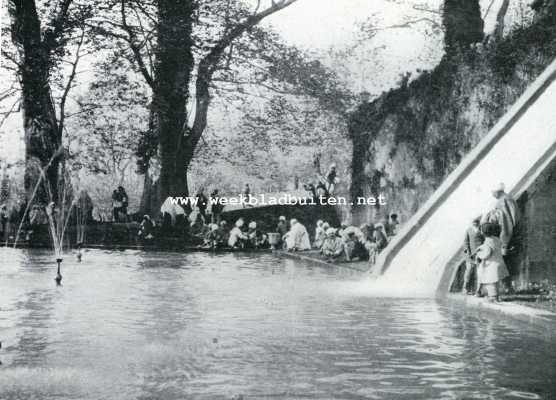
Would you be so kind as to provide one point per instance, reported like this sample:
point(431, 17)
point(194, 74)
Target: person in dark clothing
point(3, 222)
point(282, 229)
point(223, 234)
point(216, 207)
point(202, 203)
point(146, 229)
point(379, 237)
point(125, 202)
point(331, 179)
point(247, 195)
point(473, 239)
point(392, 225)
point(117, 202)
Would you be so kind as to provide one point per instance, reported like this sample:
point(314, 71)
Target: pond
point(135, 325)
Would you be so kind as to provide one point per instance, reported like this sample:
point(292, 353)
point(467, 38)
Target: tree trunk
point(173, 68)
point(42, 138)
point(463, 24)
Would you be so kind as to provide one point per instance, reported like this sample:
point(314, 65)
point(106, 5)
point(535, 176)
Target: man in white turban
point(505, 213)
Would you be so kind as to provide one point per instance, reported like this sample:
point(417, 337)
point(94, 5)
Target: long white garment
point(235, 235)
point(298, 238)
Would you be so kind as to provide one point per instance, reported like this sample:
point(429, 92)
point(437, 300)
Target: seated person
point(320, 235)
point(211, 237)
point(256, 239)
point(379, 237)
point(222, 234)
point(372, 251)
point(237, 238)
point(333, 246)
point(198, 227)
point(146, 229)
point(282, 229)
point(343, 227)
point(393, 225)
point(354, 248)
point(297, 239)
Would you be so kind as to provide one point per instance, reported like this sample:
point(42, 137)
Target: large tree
point(45, 37)
point(181, 48)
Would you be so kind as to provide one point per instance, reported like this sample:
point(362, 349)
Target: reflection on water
point(130, 325)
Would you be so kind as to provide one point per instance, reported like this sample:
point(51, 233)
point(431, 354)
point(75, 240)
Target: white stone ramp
point(422, 258)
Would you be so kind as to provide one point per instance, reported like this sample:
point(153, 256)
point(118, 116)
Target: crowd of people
point(352, 243)
point(344, 243)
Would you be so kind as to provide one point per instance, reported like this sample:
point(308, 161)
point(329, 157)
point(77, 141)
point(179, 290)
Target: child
point(492, 268)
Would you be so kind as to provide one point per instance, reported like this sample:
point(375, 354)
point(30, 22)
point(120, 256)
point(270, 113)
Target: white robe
point(235, 235)
point(298, 238)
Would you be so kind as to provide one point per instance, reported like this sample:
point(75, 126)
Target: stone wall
point(534, 259)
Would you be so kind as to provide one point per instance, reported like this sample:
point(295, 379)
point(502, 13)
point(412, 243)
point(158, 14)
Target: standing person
point(473, 239)
point(246, 195)
point(505, 213)
point(492, 268)
point(331, 179)
point(216, 207)
point(202, 203)
point(3, 222)
point(117, 202)
point(125, 202)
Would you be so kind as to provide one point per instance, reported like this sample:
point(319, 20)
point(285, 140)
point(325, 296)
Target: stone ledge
point(518, 311)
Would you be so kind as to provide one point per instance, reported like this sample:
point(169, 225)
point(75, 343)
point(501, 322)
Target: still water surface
point(132, 325)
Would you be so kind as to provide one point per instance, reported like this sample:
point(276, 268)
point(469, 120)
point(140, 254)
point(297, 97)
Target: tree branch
point(135, 49)
point(208, 65)
point(71, 78)
point(406, 24)
point(10, 111)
